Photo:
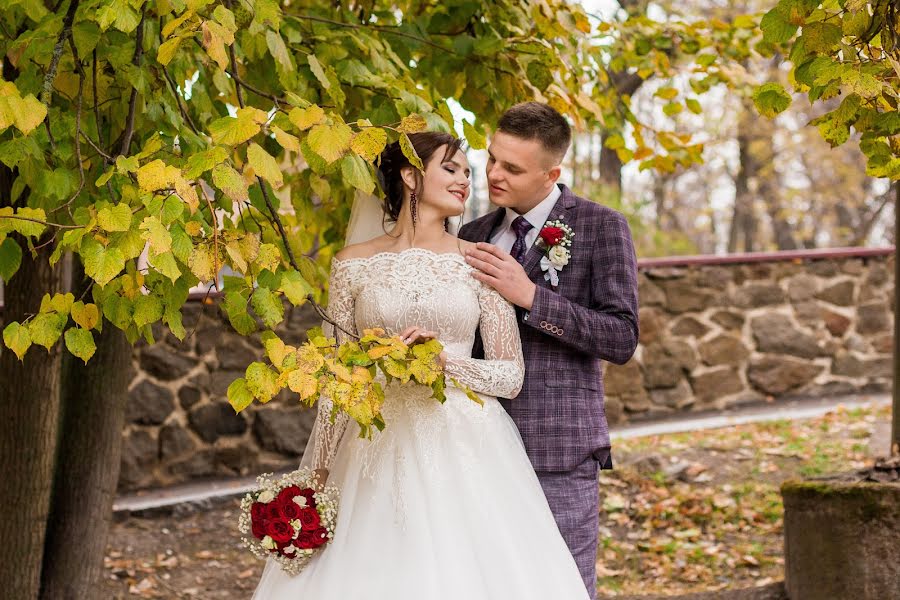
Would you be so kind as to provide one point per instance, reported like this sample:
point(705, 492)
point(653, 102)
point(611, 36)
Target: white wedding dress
point(444, 503)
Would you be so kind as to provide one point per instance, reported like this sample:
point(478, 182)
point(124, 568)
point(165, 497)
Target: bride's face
point(445, 184)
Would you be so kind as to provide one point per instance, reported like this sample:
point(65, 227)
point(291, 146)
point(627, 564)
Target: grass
point(720, 524)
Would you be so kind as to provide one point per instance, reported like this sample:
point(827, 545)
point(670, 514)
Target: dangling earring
point(413, 207)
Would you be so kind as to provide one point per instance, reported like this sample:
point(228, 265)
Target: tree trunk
point(87, 471)
point(895, 428)
point(29, 411)
point(610, 168)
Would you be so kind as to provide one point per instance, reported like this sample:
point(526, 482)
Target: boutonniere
point(555, 239)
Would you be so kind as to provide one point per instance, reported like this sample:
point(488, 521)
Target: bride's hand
point(418, 335)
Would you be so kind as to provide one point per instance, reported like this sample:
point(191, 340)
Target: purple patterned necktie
point(521, 227)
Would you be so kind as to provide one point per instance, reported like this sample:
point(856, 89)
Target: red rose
point(288, 494)
point(321, 536)
point(259, 527)
point(257, 510)
point(273, 510)
point(290, 510)
point(310, 540)
point(280, 531)
point(552, 235)
point(309, 518)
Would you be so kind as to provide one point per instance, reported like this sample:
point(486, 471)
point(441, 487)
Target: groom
point(577, 306)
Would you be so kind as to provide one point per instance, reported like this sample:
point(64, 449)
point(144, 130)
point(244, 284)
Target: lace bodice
point(395, 290)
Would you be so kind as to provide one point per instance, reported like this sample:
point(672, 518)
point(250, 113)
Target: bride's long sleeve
point(502, 371)
point(326, 434)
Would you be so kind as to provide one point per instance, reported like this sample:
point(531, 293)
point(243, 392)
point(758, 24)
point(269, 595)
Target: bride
point(444, 503)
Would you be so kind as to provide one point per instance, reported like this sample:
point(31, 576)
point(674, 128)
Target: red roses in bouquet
point(289, 519)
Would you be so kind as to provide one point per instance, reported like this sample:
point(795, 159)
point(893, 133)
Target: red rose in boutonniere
point(555, 239)
point(551, 236)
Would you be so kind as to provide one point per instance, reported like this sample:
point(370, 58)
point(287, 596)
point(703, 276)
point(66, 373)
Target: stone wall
point(718, 335)
point(715, 332)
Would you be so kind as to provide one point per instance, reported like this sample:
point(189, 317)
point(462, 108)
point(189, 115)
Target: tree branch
point(132, 103)
point(47, 91)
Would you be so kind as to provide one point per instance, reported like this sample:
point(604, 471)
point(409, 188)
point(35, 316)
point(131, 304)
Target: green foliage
point(234, 134)
point(844, 48)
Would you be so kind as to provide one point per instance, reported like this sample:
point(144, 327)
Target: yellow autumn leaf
point(265, 165)
point(413, 123)
point(303, 384)
point(287, 141)
point(304, 118)
point(369, 142)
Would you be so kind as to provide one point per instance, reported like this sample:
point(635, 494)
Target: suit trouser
point(574, 498)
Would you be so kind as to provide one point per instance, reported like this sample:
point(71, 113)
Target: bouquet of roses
point(289, 518)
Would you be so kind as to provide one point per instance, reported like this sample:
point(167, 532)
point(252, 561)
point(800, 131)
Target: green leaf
point(771, 99)
point(46, 328)
point(230, 182)
point(316, 67)
point(239, 395)
point(17, 339)
point(369, 142)
point(834, 132)
point(80, 343)
point(278, 50)
point(235, 307)
point(115, 218)
point(356, 172)
point(693, 105)
point(232, 131)
point(330, 141)
point(477, 140)
point(410, 152)
point(821, 37)
point(267, 306)
point(101, 264)
point(165, 264)
point(864, 84)
point(202, 162)
point(156, 233)
point(776, 26)
point(265, 165)
point(262, 381)
point(10, 258)
point(295, 287)
point(147, 309)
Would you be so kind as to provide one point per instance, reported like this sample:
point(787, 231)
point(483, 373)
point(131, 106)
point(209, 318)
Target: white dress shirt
point(505, 237)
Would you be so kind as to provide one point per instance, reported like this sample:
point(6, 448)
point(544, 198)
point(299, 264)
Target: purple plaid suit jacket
point(590, 317)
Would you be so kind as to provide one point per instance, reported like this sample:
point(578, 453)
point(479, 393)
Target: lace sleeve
point(502, 371)
point(326, 435)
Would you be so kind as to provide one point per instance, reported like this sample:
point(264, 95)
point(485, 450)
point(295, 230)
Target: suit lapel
point(490, 225)
point(561, 211)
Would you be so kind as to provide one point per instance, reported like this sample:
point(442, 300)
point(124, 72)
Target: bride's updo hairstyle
point(393, 160)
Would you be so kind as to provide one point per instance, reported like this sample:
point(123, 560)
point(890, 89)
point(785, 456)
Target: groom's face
point(520, 172)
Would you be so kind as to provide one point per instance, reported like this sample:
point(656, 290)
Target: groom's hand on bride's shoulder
point(502, 272)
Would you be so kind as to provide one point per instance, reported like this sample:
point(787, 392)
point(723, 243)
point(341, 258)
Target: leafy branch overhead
point(849, 49)
point(163, 142)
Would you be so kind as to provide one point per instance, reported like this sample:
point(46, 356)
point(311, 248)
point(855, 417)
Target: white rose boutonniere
point(556, 239)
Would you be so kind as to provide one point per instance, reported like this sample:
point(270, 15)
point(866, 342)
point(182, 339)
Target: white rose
point(268, 543)
point(559, 256)
point(266, 497)
point(300, 501)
